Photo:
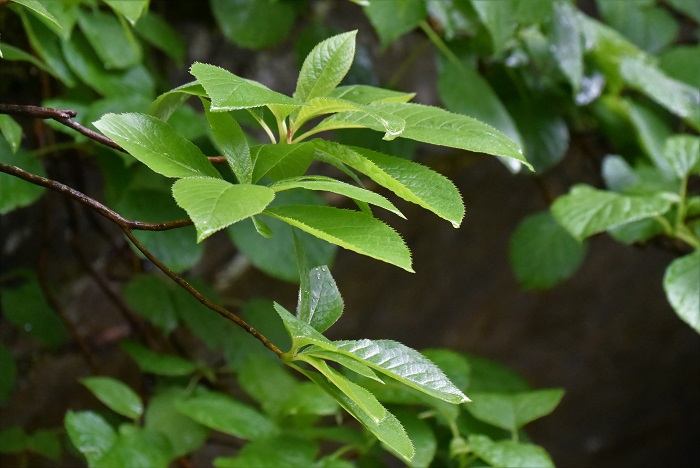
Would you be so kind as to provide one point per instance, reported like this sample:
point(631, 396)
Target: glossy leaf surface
point(90, 434)
point(682, 286)
point(325, 66)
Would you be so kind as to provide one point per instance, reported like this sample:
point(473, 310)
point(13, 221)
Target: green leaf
point(509, 453)
point(13, 440)
point(45, 443)
point(652, 132)
point(8, 376)
point(157, 32)
point(38, 9)
point(232, 142)
point(637, 231)
point(411, 181)
point(300, 332)
point(543, 253)
point(649, 27)
point(682, 286)
point(389, 430)
point(90, 434)
point(464, 91)
point(116, 395)
point(184, 434)
point(404, 364)
point(222, 413)
point(328, 184)
point(135, 446)
point(435, 126)
point(511, 411)
point(421, 434)
point(280, 161)
point(585, 211)
point(393, 18)
point(167, 103)
point(15, 192)
point(268, 383)
point(364, 94)
point(156, 144)
point(10, 53)
point(12, 131)
point(617, 173)
point(680, 63)
point(688, 7)
point(214, 204)
point(325, 305)
point(677, 97)
point(150, 297)
point(288, 451)
point(566, 42)
point(111, 39)
point(499, 19)
point(326, 66)
point(155, 363)
point(229, 92)
point(683, 154)
point(130, 9)
point(254, 23)
point(351, 230)
point(27, 309)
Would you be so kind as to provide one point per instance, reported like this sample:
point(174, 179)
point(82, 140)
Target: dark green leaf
point(543, 253)
point(680, 63)
point(421, 434)
point(15, 192)
point(326, 65)
point(683, 154)
point(268, 383)
point(11, 130)
point(280, 161)
point(157, 32)
point(138, 447)
point(156, 144)
point(45, 443)
point(150, 297)
point(682, 286)
point(130, 9)
point(545, 134)
point(254, 23)
point(511, 411)
point(393, 18)
point(156, 363)
point(184, 434)
point(232, 142)
point(585, 211)
point(499, 19)
point(689, 7)
point(12, 440)
point(222, 413)
point(214, 204)
point(286, 451)
point(116, 395)
point(566, 43)
point(167, 103)
point(40, 11)
point(649, 27)
point(509, 453)
point(112, 40)
point(352, 230)
point(90, 434)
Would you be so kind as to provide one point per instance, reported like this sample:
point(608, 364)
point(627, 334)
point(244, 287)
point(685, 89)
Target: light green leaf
point(300, 332)
point(229, 92)
point(12, 132)
point(364, 94)
point(683, 154)
point(677, 97)
point(156, 144)
point(184, 434)
point(157, 32)
point(393, 18)
point(389, 430)
point(682, 286)
point(511, 411)
point(411, 181)
point(325, 305)
point(543, 253)
point(223, 413)
point(38, 9)
point(232, 142)
point(167, 103)
point(156, 363)
point(116, 395)
point(435, 126)
point(347, 362)
point(280, 161)
point(130, 9)
point(325, 66)
point(585, 211)
point(566, 42)
point(362, 398)
point(351, 230)
point(405, 365)
point(617, 173)
point(328, 184)
point(254, 23)
point(111, 39)
point(135, 446)
point(8, 376)
point(509, 453)
point(214, 204)
point(288, 451)
point(90, 434)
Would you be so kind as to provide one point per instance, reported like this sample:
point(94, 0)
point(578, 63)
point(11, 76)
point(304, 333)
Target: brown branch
point(128, 226)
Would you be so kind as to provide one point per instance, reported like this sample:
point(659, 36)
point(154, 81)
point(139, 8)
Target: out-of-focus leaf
point(511, 411)
point(11, 130)
point(45, 443)
point(650, 27)
point(287, 451)
point(393, 18)
point(130, 9)
point(116, 395)
point(37, 8)
point(682, 286)
point(566, 43)
point(509, 453)
point(90, 434)
point(8, 376)
point(254, 23)
point(135, 446)
point(15, 192)
point(545, 134)
point(156, 363)
point(12, 440)
point(112, 40)
point(157, 32)
point(499, 19)
point(680, 63)
point(683, 154)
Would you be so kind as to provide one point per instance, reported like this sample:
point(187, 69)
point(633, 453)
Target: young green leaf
point(543, 253)
point(325, 304)
point(232, 142)
point(280, 161)
point(509, 453)
point(435, 126)
point(405, 365)
point(229, 92)
point(682, 286)
point(347, 362)
point(214, 204)
point(116, 395)
point(156, 144)
point(223, 413)
point(300, 332)
point(364, 94)
point(155, 363)
point(325, 66)
point(511, 411)
point(328, 184)
point(351, 230)
point(585, 211)
point(411, 181)
point(389, 430)
point(683, 154)
point(90, 434)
